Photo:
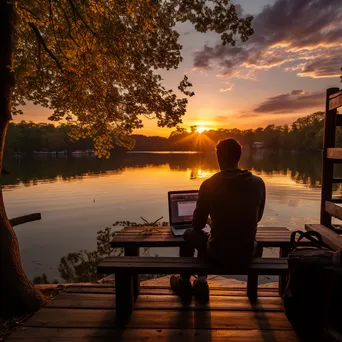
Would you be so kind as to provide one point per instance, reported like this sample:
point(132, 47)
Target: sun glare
point(201, 129)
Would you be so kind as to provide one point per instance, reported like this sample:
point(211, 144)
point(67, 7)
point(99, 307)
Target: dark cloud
point(305, 34)
point(291, 102)
point(323, 67)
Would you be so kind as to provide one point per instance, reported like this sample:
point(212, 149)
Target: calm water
point(79, 196)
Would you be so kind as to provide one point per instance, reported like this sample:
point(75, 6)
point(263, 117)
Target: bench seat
point(168, 265)
point(125, 267)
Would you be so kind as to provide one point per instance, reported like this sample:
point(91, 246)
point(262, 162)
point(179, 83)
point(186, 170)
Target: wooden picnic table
point(132, 238)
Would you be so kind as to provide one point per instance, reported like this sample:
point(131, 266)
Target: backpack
point(308, 292)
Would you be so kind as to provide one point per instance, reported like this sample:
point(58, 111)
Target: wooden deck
point(86, 313)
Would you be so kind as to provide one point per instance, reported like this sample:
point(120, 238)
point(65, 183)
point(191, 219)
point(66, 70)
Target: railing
point(331, 155)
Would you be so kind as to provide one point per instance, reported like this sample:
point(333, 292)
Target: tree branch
point(26, 218)
point(42, 41)
point(68, 22)
point(82, 19)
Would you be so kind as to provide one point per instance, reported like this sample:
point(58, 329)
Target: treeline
point(304, 134)
point(27, 137)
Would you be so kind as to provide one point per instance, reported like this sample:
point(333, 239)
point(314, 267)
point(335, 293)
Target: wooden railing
point(331, 155)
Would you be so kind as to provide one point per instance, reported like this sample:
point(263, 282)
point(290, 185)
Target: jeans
point(198, 239)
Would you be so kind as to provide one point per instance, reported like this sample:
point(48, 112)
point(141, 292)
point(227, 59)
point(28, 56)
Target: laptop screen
point(182, 206)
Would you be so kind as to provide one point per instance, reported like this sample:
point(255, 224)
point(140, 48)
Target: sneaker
point(181, 287)
point(201, 291)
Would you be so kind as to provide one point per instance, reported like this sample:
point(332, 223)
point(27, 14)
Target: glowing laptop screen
point(182, 206)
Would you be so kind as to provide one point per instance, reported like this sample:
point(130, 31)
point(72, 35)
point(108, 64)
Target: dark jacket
point(235, 201)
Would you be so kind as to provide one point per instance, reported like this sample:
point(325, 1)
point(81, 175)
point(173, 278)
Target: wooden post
point(328, 164)
point(252, 286)
point(123, 296)
point(136, 277)
point(283, 253)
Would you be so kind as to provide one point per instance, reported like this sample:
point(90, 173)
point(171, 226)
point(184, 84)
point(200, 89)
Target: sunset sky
point(280, 74)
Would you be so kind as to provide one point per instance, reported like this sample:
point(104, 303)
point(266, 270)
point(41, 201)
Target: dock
point(87, 313)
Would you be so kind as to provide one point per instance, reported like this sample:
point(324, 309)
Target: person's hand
point(209, 221)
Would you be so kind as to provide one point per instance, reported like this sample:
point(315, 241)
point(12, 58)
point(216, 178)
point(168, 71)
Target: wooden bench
point(126, 267)
point(132, 239)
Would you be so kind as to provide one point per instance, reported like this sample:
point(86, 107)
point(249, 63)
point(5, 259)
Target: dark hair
point(228, 151)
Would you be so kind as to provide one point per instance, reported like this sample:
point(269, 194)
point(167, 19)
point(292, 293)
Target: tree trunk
point(17, 293)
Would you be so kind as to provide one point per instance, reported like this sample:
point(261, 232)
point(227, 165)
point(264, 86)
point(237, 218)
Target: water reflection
point(80, 267)
point(303, 168)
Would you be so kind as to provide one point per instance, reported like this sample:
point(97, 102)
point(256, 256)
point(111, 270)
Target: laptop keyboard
point(183, 226)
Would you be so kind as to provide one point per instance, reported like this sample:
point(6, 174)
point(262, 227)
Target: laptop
point(181, 209)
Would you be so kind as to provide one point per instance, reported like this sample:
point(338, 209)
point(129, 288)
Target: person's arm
point(262, 202)
point(201, 212)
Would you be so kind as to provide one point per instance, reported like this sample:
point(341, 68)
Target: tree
point(94, 63)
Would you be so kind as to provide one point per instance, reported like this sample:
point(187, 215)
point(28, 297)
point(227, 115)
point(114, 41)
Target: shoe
point(200, 290)
point(181, 287)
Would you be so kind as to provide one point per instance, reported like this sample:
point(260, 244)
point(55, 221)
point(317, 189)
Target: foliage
point(43, 279)
point(304, 134)
point(80, 266)
point(96, 62)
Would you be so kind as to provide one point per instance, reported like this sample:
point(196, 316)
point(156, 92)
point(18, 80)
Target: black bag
point(309, 287)
point(335, 305)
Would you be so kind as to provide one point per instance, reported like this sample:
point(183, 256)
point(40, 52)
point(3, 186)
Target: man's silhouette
point(234, 200)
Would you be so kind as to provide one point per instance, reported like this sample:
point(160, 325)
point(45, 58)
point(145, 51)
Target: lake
point(78, 196)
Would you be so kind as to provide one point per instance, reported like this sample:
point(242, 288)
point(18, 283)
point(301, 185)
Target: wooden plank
point(212, 287)
point(335, 100)
point(126, 238)
point(132, 265)
point(167, 228)
point(165, 319)
point(334, 153)
point(214, 292)
point(130, 237)
point(82, 301)
point(165, 236)
point(168, 291)
point(333, 209)
point(157, 302)
point(336, 93)
point(34, 334)
point(135, 268)
point(331, 238)
point(86, 289)
point(171, 242)
point(92, 285)
point(195, 262)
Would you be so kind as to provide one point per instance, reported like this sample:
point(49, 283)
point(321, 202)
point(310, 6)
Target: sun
point(201, 129)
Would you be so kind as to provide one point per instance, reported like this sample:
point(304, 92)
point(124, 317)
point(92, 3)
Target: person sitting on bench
point(233, 200)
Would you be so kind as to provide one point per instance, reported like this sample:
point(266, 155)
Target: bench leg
point(252, 286)
point(124, 296)
point(136, 277)
point(283, 253)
